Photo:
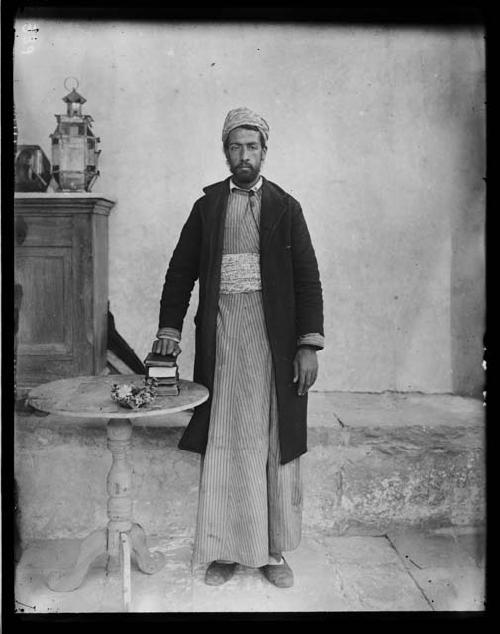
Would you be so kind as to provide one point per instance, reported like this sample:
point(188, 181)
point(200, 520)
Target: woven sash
point(240, 273)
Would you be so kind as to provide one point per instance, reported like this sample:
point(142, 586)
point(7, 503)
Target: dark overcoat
point(291, 293)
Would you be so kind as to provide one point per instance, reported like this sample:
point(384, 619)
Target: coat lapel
point(217, 196)
point(272, 209)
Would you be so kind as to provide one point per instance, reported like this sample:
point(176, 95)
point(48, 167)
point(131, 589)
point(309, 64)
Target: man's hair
point(246, 127)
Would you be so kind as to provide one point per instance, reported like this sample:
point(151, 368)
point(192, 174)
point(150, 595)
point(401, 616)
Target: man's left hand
point(305, 369)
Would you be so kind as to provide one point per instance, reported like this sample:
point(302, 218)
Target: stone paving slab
point(475, 545)
point(370, 574)
point(332, 574)
point(315, 588)
point(447, 567)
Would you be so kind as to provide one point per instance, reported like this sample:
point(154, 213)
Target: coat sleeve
point(182, 273)
point(308, 291)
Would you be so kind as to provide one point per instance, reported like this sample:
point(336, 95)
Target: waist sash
point(240, 273)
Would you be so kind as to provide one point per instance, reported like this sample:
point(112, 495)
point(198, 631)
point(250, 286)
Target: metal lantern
point(74, 147)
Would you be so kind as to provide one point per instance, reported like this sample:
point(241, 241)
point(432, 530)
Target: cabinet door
point(45, 317)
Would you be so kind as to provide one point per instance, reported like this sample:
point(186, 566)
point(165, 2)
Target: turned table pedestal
point(90, 397)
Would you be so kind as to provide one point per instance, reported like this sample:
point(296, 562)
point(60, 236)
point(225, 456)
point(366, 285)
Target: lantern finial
point(74, 87)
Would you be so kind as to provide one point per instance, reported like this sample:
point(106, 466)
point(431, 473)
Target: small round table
point(90, 397)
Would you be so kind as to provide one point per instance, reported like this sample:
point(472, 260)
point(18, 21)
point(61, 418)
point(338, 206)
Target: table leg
point(91, 547)
point(125, 559)
point(148, 562)
point(122, 535)
point(118, 486)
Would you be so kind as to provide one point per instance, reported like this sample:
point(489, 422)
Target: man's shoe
point(218, 573)
point(280, 575)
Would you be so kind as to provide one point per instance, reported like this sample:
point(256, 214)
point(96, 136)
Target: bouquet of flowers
point(132, 396)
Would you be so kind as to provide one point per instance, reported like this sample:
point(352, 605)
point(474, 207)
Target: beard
point(244, 175)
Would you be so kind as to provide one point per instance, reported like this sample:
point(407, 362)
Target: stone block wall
point(375, 462)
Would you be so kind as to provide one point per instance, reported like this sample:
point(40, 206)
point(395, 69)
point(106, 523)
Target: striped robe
point(249, 505)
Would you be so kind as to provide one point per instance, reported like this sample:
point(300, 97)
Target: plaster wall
point(378, 132)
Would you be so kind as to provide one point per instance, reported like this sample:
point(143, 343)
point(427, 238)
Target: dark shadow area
point(118, 345)
point(467, 302)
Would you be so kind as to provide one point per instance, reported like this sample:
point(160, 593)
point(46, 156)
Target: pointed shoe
point(280, 575)
point(218, 573)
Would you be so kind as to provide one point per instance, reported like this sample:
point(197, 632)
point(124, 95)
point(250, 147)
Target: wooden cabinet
point(61, 265)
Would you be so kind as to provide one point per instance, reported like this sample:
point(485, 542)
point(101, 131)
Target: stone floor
point(402, 571)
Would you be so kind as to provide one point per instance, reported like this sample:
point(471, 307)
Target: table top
point(90, 397)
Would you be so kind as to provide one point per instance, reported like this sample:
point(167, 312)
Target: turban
point(244, 116)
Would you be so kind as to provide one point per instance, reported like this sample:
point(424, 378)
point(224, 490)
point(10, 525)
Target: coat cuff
point(312, 339)
point(169, 333)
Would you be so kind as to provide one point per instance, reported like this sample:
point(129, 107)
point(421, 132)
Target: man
point(258, 326)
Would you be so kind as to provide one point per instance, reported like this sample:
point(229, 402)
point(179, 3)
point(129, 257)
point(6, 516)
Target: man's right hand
point(166, 347)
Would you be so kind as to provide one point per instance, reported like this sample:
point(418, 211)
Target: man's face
point(245, 155)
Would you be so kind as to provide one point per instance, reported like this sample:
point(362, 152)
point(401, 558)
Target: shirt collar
point(254, 188)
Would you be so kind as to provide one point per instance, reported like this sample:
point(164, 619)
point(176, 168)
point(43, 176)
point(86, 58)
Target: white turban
point(244, 116)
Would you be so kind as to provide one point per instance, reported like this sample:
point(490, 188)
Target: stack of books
point(164, 372)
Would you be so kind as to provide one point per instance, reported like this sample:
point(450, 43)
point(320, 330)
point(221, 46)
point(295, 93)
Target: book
point(163, 372)
point(167, 390)
point(159, 360)
point(165, 381)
